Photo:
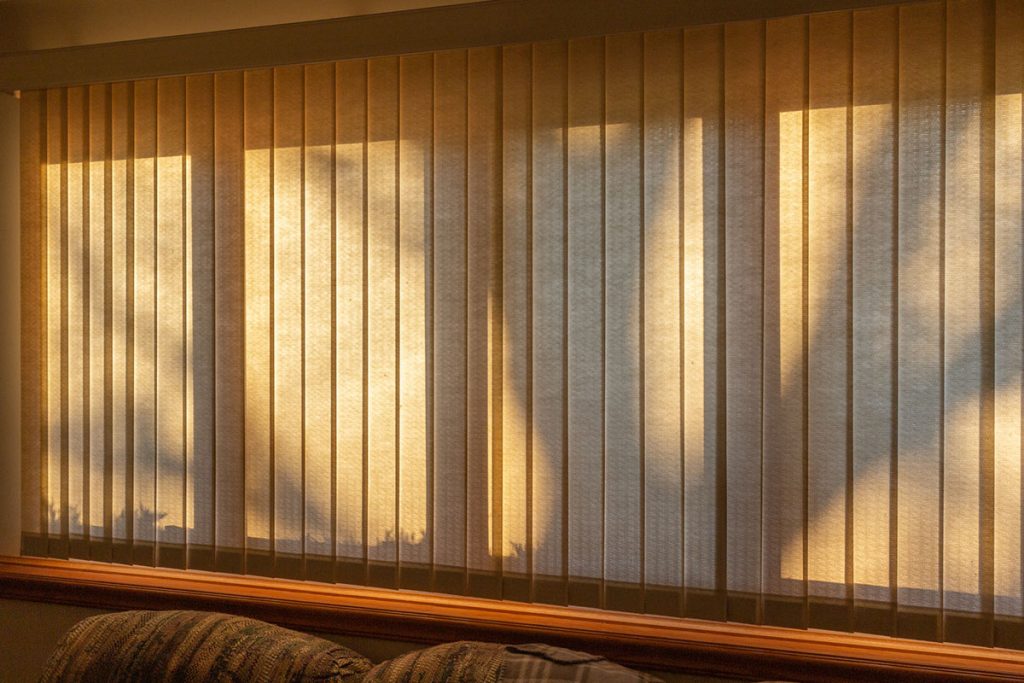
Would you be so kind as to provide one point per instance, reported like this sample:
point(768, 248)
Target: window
point(722, 322)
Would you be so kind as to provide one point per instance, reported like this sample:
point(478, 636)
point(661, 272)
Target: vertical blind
point(721, 322)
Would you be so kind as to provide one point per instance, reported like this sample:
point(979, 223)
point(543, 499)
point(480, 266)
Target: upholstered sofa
point(189, 646)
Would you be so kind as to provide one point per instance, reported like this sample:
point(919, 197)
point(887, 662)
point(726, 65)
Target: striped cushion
point(194, 646)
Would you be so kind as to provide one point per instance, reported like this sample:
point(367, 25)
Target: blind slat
point(703, 326)
point(257, 115)
point(782, 489)
point(382, 84)
point(873, 278)
point(448, 342)
point(229, 319)
point(144, 318)
point(828, 263)
point(585, 291)
point(662, 327)
point(416, 316)
point(317, 314)
point(516, 122)
point(350, 152)
point(744, 229)
point(547, 324)
point(201, 323)
point(1008, 580)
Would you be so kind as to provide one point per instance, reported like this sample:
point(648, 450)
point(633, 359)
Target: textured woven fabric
point(471, 662)
point(459, 662)
point(187, 646)
point(539, 662)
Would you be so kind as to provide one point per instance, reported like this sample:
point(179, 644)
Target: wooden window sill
point(689, 645)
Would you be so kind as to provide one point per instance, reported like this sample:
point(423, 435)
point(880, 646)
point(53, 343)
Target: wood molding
point(496, 22)
point(690, 645)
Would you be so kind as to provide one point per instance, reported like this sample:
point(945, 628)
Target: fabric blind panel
point(721, 322)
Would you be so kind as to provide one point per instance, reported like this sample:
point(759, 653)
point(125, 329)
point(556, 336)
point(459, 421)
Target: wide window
point(722, 322)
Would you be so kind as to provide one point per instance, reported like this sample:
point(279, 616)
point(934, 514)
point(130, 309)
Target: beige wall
point(10, 375)
point(30, 632)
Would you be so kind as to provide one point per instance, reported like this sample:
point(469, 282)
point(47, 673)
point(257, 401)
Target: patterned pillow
point(187, 646)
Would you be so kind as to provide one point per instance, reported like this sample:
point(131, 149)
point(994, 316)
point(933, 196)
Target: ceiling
point(46, 24)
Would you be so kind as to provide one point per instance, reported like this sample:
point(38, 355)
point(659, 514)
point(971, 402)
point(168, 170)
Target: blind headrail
point(492, 22)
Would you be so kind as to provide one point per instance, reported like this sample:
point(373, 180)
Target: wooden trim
point(690, 645)
point(494, 22)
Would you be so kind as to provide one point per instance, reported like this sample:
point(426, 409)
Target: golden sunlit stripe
point(482, 212)
point(121, 287)
point(547, 175)
point(448, 319)
point(623, 525)
point(586, 344)
point(200, 320)
point(77, 291)
point(144, 296)
point(258, 93)
point(782, 486)
point(55, 131)
point(873, 201)
point(702, 125)
point(663, 71)
point(96, 217)
point(516, 222)
point(416, 158)
point(963, 317)
point(382, 304)
point(350, 305)
point(229, 227)
point(1009, 302)
point(169, 392)
point(317, 268)
point(827, 264)
point(287, 380)
point(919, 362)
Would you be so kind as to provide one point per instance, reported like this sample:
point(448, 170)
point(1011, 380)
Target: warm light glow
point(173, 357)
point(791, 342)
point(494, 313)
point(257, 353)
point(349, 355)
point(1009, 364)
point(700, 254)
point(381, 347)
point(413, 258)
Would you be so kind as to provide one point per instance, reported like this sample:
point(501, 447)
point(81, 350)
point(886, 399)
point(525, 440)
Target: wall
point(10, 290)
